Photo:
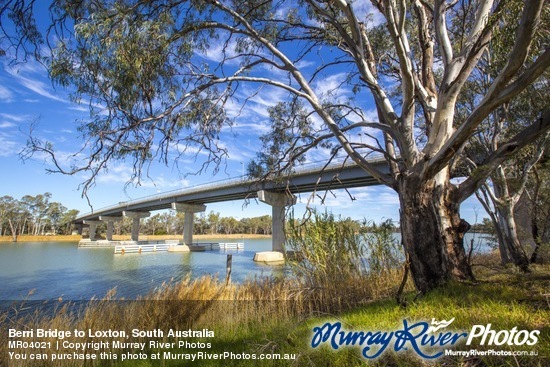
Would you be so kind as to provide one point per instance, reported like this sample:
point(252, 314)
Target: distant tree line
point(34, 215)
point(171, 223)
point(39, 215)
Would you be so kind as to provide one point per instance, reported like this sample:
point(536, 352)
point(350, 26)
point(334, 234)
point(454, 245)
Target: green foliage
point(34, 215)
point(384, 251)
point(328, 251)
point(342, 260)
point(290, 128)
point(171, 223)
point(487, 228)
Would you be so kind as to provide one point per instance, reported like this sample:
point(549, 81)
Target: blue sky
point(27, 98)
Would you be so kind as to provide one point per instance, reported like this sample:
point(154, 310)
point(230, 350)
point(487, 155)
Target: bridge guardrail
point(227, 182)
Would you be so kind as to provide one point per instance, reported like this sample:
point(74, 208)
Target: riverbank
point(279, 319)
point(76, 238)
point(27, 238)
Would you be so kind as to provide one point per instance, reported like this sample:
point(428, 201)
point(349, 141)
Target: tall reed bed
point(342, 264)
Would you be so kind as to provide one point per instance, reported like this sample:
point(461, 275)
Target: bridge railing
point(219, 184)
point(311, 167)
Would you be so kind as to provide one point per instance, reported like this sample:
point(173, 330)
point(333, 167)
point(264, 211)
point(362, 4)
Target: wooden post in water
point(228, 269)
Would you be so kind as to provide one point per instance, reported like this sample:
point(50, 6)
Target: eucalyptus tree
point(7, 209)
point(213, 220)
point(37, 207)
point(229, 225)
point(152, 90)
point(538, 201)
point(506, 185)
point(14, 213)
point(55, 214)
point(66, 221)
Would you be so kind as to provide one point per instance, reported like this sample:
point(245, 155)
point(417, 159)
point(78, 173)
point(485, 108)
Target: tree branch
point(486, 106)
point(441, 33)
point(520, 140)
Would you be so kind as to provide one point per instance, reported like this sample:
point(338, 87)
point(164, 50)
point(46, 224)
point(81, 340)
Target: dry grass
point(26, 238)
point(193, 304)
point(240, 311)
point(277, 314)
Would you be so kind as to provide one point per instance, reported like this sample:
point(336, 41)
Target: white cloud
point(331, 85)
point(79, 108)
point(39, 88)
point(365, 10)
point(258, 128)
point(373, 202)
point(116, 174)
point(220, 50)
point(5, 124)
point(8, 146)
point(14, 118)
point(5, 94)
point(121, 174)
point(22, 75)
point(163, 184)
point(304, 64)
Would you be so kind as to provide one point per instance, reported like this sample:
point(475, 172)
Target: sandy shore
point(77, 238)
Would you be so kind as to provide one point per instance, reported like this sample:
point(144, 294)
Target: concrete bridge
point(278, 194)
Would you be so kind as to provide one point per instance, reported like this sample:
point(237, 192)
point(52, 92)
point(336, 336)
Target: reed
point(342, 267)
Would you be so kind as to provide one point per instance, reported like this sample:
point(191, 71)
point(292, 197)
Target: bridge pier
point(278, 202)
point(93, 227)
point(189, 219)
point(136, 217)
point(110, 225)
point(79, 228)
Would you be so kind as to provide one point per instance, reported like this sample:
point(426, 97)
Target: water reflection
point(38, 271)
point(49, 270)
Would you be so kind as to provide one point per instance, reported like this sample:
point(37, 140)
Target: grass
point(277, 316)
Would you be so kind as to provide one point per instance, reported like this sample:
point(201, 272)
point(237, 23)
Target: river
point(49, 270)
point(52, 270)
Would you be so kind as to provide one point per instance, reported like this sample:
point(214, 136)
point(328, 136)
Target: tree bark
point(484, 198)
point(432, 232)
point(511, 240)
point(13, 230)
point(502, 249)
point(538, 241)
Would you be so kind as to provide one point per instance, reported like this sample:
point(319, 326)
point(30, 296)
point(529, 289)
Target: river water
point(52, 270)
point(49, 270)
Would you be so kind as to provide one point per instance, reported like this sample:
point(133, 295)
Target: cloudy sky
point(29, 101)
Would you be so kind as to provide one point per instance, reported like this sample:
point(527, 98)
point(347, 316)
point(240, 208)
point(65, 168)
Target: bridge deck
point(332, 177)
